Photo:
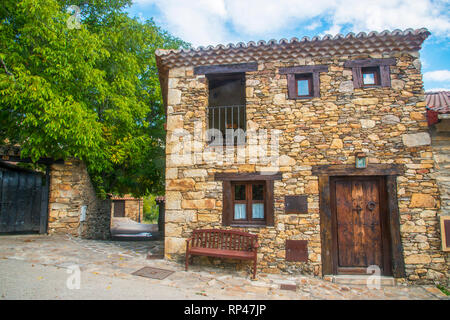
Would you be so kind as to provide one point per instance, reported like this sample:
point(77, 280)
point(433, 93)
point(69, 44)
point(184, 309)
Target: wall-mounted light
point(361, 160)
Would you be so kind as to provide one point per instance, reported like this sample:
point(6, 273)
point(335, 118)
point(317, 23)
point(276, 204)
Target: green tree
point(151, 210)
point(90, 92)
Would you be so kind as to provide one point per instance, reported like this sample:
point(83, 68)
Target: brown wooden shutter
point(269, 203)
point(227, 203)
point(447, 232)
point(357, 77)
point(385, 77)
point(291, 86)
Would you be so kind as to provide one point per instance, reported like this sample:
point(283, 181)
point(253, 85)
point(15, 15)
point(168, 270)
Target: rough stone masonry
point(70, 190)
point(387, 123)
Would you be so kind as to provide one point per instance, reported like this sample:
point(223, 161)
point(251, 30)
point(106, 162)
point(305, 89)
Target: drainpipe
point(139, 208)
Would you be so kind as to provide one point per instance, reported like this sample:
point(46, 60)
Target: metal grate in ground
point(154, 273)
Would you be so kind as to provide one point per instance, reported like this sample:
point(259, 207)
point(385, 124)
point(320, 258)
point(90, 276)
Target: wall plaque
point(297, 250)
point(296, 204)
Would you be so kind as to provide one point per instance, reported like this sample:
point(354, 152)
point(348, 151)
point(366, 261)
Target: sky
point(212, 22)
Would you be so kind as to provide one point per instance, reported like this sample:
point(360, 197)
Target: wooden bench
point(223, 244)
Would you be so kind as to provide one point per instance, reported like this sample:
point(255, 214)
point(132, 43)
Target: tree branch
point(6, 69)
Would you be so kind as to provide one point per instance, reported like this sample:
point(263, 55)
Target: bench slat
point(222, 253)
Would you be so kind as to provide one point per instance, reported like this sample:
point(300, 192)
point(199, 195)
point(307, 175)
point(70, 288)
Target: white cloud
point(201, 22)
point(257, 17)
point(438, 89)
point(204, 22)
point(380, 15)
point(313, 26)
point(438, 75)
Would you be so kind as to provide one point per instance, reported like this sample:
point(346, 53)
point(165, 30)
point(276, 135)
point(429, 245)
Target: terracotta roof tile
point(328, 45)
point(438, 101)
point(125, 197)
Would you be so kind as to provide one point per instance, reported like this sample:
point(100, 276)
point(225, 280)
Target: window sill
point(368, 86)
point(212, 145)
point(303, 98)
point(243, 225)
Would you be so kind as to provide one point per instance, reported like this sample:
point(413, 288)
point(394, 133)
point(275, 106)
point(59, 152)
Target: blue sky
point(210, 22)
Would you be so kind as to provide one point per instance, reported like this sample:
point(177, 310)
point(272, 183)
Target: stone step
point(441, 149)
point(443, 146)
point(361, 280)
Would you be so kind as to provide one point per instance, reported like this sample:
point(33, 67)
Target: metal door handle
point(358, 208)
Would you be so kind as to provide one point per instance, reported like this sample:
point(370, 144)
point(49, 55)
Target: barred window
point(226, 111)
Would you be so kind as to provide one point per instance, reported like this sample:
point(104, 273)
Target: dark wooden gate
point(360, 224)
point(119, 208)
point(23, 200)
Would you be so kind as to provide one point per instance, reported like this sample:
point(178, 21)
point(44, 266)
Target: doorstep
point(360, 280)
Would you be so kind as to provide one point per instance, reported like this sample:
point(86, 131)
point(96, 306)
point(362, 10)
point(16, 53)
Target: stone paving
point(121, 258)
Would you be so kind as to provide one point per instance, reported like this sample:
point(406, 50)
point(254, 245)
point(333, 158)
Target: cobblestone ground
point(122, 258)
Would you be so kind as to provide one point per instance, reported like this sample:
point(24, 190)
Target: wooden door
point(360, 224)
point(22, 198)
point(119, 208)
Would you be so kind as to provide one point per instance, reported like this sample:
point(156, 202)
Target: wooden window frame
point(292, 74)
point(226, 68)
point(228, 196)
point(376, 75)
point(444, 222)
point(383, 66)
point(248, 202)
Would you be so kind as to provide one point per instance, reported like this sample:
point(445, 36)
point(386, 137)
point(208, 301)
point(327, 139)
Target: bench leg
point(187, 261)
point(254, 269)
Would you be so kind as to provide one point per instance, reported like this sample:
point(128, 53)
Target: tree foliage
point(90, 92)
point(150, 208)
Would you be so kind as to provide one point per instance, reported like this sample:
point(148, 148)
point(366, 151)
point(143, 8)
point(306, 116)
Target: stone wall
point(134, 209)
point(388, 124)
point(440, 134)
point(70, 189)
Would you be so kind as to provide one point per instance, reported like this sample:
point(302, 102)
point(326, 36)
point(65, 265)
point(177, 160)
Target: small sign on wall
point(83, 213)
point(445, 233)
point(297, 250)
point(296, 204)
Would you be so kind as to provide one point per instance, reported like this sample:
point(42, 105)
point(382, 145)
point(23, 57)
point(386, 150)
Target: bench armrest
point(187, 243)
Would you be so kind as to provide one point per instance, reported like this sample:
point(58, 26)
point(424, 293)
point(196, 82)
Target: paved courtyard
point(38, 267)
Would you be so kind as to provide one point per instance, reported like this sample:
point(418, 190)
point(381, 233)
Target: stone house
point(319, 146)
point(127, 207)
